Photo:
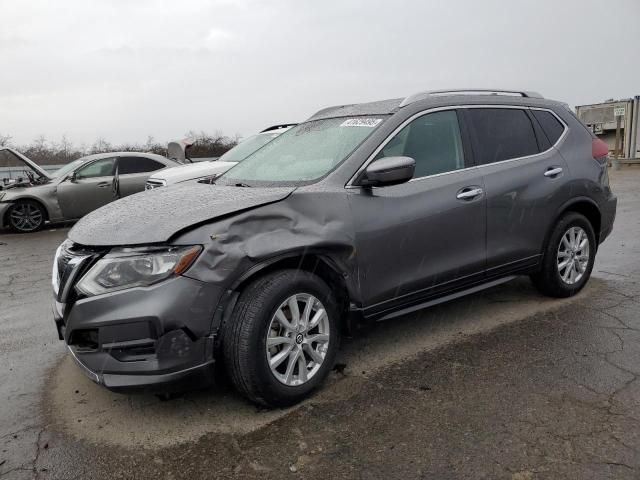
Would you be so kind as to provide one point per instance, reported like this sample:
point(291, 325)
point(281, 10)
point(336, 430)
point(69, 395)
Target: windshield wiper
point(240, 184)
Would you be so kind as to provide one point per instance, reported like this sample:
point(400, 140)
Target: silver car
point(29, 196)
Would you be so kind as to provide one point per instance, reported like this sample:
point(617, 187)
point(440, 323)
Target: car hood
point(28, 162)
point(192, 171)
point(156, 215)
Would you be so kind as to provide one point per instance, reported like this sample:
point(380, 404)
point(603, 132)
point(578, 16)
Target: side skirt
point(446, 298)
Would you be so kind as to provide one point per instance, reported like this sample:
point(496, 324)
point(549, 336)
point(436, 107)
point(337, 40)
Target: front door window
point(433, 141)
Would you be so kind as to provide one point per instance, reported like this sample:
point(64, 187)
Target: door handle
point(553, 172)
point(104, 184)
point(469, 193)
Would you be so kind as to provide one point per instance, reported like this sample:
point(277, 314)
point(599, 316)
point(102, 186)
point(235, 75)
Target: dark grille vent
point(73, 261)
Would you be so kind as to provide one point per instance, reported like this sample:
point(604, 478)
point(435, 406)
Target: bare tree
point(5, 140)
point(44, 152)
point(66, 148)
point(101, 146)
point(206, 145)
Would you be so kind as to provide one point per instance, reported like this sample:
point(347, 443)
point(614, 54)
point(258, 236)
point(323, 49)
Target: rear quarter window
point(551, 126)
point(137, 165)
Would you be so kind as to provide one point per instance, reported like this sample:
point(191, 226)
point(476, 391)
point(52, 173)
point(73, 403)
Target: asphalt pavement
point(502, 384)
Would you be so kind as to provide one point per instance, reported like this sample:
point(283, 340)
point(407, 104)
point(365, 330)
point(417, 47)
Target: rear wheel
point(568, 258)
point(26, 216)
point(282, 338)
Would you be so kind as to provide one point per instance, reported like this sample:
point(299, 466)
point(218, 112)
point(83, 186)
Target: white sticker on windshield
point(361, 122)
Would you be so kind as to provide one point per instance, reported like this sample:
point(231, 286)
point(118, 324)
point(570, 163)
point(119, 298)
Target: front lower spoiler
point(198, 375)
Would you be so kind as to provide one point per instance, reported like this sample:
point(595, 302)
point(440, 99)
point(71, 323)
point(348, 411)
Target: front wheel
point(26, 216)
point(568, 258)
point(282, 338)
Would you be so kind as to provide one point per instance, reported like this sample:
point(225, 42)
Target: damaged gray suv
point(363, 211)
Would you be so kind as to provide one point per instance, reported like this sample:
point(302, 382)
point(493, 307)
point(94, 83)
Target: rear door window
point(501, 134)
point(551, 126)
point(137, 165)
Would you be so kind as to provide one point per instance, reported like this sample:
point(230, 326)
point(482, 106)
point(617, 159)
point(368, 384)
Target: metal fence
point(11, 172)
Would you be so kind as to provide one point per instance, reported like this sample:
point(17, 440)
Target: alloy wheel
point(573, 255)
point(26, 217)
point(298, 339)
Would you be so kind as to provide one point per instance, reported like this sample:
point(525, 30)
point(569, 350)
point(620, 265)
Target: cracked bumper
point(197, 375)
point(156, 338)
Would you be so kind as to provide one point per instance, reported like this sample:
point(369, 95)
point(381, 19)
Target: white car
point(215, 167)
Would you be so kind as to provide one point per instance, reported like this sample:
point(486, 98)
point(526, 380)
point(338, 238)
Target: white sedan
point(215, 167)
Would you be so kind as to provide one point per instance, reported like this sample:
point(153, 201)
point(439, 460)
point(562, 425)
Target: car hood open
point(156, 215)
point(28, 165)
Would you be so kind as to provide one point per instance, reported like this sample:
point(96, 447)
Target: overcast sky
point(124, 70)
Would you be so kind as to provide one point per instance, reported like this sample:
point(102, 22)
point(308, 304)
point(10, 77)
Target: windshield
point(67, 169)
point(304, 153)
point(247, 147)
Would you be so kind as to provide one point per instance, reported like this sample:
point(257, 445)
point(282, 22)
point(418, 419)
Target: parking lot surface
point(502, 384)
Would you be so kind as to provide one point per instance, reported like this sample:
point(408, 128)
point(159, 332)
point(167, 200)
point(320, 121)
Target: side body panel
point(521, 203)
point(132, 183)
point(79, 197)
point(521, 206)
point(416, 236)
point(312, 221)
point(589, 178)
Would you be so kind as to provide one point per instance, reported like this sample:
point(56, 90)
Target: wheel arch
point(5, 219)
point(315, 262)
point(584, 206)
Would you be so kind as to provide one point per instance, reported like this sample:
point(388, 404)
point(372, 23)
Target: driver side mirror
point(388, 171)
point(73, 177)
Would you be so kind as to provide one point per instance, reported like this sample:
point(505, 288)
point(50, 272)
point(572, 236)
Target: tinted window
point(99, 168)
point(550, 124)
point(502, 134)
point(137, 165)
point(432, 140)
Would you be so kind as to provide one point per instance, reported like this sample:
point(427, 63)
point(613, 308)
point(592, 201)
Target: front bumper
point(155, 338)
point(195, 376)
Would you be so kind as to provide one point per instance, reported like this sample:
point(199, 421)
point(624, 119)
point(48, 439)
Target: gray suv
point(364, 211)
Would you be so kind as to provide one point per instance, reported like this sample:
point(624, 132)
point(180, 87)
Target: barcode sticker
point(361, 122)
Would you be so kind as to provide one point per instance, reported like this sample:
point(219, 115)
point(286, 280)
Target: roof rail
point(468, 91)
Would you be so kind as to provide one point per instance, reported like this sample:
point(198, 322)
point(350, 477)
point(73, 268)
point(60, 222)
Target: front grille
point(71, 262)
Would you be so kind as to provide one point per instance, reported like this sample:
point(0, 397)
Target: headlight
point(136, 267)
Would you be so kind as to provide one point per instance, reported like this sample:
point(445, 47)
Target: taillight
point(599, 149)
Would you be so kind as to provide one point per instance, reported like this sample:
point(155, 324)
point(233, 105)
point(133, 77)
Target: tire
point(26, 216)
point(255, 318)
point(557, 281)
